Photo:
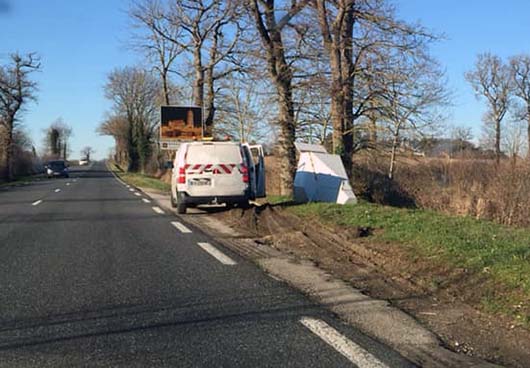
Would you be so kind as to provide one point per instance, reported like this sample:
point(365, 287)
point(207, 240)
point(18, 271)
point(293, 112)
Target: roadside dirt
point(440, 298)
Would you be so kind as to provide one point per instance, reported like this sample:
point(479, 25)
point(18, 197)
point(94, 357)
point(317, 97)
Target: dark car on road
point(57, 168)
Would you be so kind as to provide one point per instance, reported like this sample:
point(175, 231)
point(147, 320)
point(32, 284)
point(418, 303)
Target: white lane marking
point(217, 254)
point(353, 352)
point(137, 194)
point(57, 190)
point(158, 210)
point(182, 228)
point(74, 180)
point(67, 184)
point(131, 189)
point(36, 203)
point(146, 200)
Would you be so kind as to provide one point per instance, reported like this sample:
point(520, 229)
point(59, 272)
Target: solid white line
point(217, 254)
point(158, 210)
point(146, 200)
point(353, 352)
point(57, 190)
point(181, 227)
point(137, 194)
point(36, 203)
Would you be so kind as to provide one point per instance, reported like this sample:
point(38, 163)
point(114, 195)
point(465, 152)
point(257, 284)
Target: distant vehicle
point(215, 173)
point(57, 168)
point(83, 162)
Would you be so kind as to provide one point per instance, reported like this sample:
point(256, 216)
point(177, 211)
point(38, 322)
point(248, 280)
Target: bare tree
point(243, 112)
point(117, 127)
point(16, 89)
point(520, 69)
point(270, 19)
point(491, 79)
point(461, 137)
point(513, 140)
point(86, 152)
point(337, 35)
point(358, 36)
point(413, 95)
point(57, 137)
point(136, 97)
point(208, 30)
point(161, 51)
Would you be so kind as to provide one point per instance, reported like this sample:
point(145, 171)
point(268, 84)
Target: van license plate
point(200, 182)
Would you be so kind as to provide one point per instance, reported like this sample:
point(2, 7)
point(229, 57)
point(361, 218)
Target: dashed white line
point(67, 184)
point(146, 200)
point(57, 190)
point(217, 254)
point(137, 194)
point(131, 190)
point(181, 227)
point(36, 203)
point(158, 210)
point(353, 352)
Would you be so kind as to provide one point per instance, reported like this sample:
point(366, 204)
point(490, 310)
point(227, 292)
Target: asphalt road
point(92, 276)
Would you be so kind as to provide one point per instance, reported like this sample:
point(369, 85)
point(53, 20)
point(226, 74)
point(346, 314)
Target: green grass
point(277, 199)
point(20, 180)
point(499, 251)
point(140, 180)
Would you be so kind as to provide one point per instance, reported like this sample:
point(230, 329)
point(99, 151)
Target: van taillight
point(244, 171)
point(182, 176)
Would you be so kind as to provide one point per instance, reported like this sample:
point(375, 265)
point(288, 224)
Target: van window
point(213, 154)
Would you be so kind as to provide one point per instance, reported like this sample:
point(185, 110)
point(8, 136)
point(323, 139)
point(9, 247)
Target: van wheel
point(173, 201)
point(181, 206)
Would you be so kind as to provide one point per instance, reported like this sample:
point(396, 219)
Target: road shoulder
point(376, 318)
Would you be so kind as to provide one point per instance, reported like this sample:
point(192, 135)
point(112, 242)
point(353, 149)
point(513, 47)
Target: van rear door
point(214, 169)
point(257, 158)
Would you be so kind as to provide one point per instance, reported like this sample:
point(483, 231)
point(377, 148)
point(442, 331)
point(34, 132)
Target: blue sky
point(81, 41)
point(470, 27)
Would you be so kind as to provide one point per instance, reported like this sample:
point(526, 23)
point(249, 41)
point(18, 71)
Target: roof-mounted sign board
point(180, 123)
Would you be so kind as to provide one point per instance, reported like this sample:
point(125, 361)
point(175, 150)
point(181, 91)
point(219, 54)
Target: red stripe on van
point(225, 168)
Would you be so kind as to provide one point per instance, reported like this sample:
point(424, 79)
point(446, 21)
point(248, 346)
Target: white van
point(215, 173)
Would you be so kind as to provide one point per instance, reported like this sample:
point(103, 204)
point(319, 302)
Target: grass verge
point(140, 180)
point(499, 252)
point(21, 180)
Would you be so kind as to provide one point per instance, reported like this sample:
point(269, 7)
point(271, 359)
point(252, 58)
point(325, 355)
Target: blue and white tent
point(321, 177)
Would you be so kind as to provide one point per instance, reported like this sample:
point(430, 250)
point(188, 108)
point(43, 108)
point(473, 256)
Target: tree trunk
point(497, 140)
point(393, 155)
point(198, 85)
point(338, 43)
point(281, 74)
point(165, 86)
point(372, 130)
point(287, 137)
point(9, 152)
point(528, 132)
point(210, 103)
point(337, 119)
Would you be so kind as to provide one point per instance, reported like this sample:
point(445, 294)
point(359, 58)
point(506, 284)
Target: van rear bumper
point(212, 199)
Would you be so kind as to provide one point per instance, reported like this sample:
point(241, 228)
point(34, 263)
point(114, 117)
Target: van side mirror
point(168, 165)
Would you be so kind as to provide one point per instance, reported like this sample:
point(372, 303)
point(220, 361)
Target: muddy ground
point(443, 299)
